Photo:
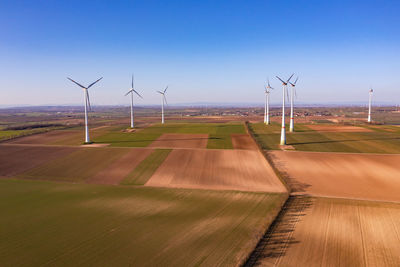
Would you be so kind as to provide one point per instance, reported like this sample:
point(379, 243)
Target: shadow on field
point(278, 238)
point(294, 185)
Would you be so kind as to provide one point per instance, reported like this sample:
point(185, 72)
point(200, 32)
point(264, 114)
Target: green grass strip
point(219, 141)
point(142, 173)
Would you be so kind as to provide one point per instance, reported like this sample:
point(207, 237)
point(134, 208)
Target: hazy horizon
point(205, 51)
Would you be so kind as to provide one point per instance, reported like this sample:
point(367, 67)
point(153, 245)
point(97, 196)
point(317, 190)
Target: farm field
point(334, 232)
point(71, 136)
point(219, 135)
point(45, 223)
point(78, 166)
point(217, 169)
point(331, 138)
point(173, 140)
point(243, 141)
point(346, 175)
point(16, 159)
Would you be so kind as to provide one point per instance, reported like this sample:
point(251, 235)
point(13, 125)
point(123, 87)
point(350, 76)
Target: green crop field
point(142, 173)
point(219, 134)
point(383, 139)
point(10, 134)
point(46, 223)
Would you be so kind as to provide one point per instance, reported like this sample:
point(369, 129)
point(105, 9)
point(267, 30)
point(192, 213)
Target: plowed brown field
point(333, 232)
point(217, 169)
point(120, 168)
point(361, 176)
point(45, 138)
point(172, 140)
point(243, 141)
point(17, 159)
point(338, 128)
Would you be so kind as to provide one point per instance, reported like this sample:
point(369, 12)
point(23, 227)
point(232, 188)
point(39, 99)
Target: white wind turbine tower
point(131, 91)
point(292, 92)
point(87, 105)
point(163, 99)
point(284, 89)
point(369, 104)
point(266, 111)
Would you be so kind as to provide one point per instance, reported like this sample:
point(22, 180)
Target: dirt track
point(172, 140)
point(337, 128)
point(217, 169)
point(331, 232)
point(120, 168)
point(360, 176)
point(243, 141)
point(17, 159)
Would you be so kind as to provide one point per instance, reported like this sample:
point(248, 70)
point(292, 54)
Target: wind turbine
point(292, 92)
point(163, 99)
point(284, 87)
point(266, 111)
point(87, 104)
point(369, 105)
point(131, 91)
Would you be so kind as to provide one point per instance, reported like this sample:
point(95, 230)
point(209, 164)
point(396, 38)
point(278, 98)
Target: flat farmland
point(52, 137)
point(16, 159)
point(92, 225)
point(119, 169)
point(78, 166)
point(71, 136)
point(363, 176)
point(334, 232)
point(331, 138)
point(219, 135)
point(243, 141)
point(217, 169)
point(173, 140)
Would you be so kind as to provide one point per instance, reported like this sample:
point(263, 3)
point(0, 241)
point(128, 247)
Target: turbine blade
point(165, 89)
point(269, 86)
point(76, 83)
point(165, 99)
point(132, 80)
point(137, 93)
point(281, 80)
point(128, 92)
point(289, 78)
point(296, 80)
point(160, 92)
point(94, 83)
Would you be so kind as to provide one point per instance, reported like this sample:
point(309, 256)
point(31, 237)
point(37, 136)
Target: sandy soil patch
point(95, 145)
point(120, 168)
point(336, 233)
point(17, 159)
point(363, 176)
point(172, 140)
point(217, 169)
point(243, 141)
point(337, 128)
point(44, 138)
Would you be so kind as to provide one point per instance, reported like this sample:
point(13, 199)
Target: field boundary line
point(267, 158)
point(324, 152)
point(346, 198)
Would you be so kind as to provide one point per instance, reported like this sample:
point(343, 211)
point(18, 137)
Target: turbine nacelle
point(287, 81)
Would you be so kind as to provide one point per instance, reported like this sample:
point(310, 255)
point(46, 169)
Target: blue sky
point(206, 51)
